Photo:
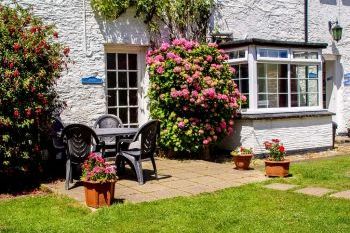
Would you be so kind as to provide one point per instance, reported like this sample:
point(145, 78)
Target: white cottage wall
point(86, 41)
point(284, 20)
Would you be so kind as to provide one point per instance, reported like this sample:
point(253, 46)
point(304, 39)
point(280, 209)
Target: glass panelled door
point(122, 86)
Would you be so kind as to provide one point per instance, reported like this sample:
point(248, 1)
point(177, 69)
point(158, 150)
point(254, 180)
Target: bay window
point(278, 79)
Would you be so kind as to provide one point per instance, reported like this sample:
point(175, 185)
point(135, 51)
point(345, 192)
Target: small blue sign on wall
point(347, 79)
point(92, 79)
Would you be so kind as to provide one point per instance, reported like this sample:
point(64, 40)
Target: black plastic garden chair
point(79, 141)
point(109, 121)
point(147, 137)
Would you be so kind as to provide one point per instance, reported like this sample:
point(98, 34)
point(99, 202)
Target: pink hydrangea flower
point(209, 58)
point(181, 124)
point(160, 70)
point(177, 69)
point(164, 47)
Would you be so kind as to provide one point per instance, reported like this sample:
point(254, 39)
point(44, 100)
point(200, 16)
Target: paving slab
point(175, 178)
point(344, 194)
point(315, 191)
point(280, 186)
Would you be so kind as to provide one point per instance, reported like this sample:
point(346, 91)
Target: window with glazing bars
point(122, 86)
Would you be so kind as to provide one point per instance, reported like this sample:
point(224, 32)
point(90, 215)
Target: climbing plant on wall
point(181, 18)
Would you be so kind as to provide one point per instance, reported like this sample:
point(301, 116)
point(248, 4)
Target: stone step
point(280, 186)
point(315, 191)
point(344, 194)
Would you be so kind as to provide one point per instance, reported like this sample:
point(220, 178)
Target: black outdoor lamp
point(335, 30)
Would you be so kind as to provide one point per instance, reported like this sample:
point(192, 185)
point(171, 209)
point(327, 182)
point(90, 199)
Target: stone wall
point(295, 133)
point(86, 41)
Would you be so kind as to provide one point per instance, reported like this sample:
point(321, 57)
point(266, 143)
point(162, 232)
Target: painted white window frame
point(254, 58)
point(127, 49)
point(238, 60)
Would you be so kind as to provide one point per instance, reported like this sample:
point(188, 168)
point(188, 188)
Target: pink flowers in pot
point(96, 169)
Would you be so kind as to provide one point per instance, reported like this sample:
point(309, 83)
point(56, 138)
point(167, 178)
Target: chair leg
point(68, 173)
point(139, 172)
point(154, 167)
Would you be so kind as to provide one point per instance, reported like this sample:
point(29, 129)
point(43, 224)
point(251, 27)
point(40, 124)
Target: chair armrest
point(123, 141)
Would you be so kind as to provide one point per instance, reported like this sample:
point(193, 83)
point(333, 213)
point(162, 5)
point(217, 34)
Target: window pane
point(111, 79)
point(112, 111)
point(241, 53)
point(313, 99)
point(283, 100)
point(294, 85)
point(294, 100)
point(111, 61)
point(245, 86)
point(123, 98)
point(244, 71)
point(272, 101)
point(283, 86)
point(303, 100)
point(302, 85)
point(261, 70)
point(299, 54)
point(312, 72)
point(272, 71)
point(272, 86)
point(262, 101)
point(133, 97)
point(132, 79)
point(263, 52)
point(112, 98)
point(122, 80)
point(283, 54)
point(236, 67)
point(121, 61)
point(283, 71)
point(313, 55)
point(132, 61)
point(133, 115)
point(262, 85)
point(123, 115)
point(233, 55)
point(312, 85)
point(272, 53)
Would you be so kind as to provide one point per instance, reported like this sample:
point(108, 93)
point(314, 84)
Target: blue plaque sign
point(347, 79)
point(92, 79)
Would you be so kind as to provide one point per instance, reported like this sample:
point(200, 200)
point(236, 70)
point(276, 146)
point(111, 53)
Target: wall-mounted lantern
point(335, 30)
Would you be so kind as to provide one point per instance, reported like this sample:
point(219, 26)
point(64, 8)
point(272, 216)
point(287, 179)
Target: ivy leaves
point(181, 18)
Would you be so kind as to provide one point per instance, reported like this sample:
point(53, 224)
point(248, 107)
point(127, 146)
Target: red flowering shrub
point(276, 150)
point(30, 63)
point(192, 93)
point(96, 169)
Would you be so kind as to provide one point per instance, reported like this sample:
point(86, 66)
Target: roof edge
point(256, 41)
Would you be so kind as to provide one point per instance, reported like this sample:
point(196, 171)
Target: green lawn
point(250, 208)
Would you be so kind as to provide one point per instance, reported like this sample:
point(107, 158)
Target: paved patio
point(175, 178)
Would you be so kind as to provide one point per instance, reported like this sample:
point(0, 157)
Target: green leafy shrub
point(31, 60)
point(192, 93)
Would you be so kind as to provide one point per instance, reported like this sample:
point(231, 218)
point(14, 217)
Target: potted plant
point(276, 164)
point(99, 181)
point(242, 157)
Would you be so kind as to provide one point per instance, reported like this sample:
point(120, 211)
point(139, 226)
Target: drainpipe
point(306, 19)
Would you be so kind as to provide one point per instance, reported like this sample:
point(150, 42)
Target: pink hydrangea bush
point(96, 169)
point(192, 93)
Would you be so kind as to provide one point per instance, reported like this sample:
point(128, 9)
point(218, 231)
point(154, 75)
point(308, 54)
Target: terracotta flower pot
point(277, 168)
point(242, 162)
point(99, 194)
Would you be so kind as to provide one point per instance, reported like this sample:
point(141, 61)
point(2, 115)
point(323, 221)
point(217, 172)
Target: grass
point(331, 173)
point(249, 208)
